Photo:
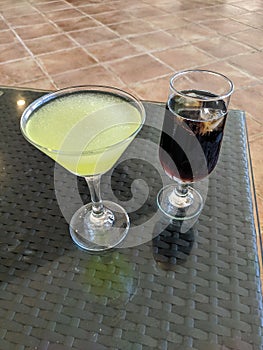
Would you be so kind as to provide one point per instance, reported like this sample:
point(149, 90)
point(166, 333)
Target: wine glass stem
point(182, 189)
point(94, 187)
point(180, 196)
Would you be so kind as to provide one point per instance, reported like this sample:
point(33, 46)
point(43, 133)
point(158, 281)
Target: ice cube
point(210, 125)
point(210, 113)
point(188, 102)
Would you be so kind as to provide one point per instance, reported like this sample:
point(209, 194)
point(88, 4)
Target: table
point(168, 287)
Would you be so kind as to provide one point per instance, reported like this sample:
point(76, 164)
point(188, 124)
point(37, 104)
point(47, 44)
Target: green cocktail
point(86, 129)
point(90, 122)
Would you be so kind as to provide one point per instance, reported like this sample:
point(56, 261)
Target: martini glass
point(191, 137)
point(86, 129)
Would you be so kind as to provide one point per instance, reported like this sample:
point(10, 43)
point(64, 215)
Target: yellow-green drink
point(82, 128)
point(86, 129)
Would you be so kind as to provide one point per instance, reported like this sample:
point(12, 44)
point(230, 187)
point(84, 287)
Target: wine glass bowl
point(86, 129)
point(191, 137)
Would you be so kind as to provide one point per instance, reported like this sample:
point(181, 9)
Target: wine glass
point(86, 129)
point(191, 137)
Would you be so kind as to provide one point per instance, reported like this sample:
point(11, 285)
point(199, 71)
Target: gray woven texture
point(194, 290)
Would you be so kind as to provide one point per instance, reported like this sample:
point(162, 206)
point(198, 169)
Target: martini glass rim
point(75, 89)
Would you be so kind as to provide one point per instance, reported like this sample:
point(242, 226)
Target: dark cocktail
point(194, 127)
point(191, 137)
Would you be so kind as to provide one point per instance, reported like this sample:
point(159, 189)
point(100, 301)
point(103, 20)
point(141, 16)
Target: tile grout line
point(42, 68)
point(86, 49)
point(119, 37)
point(96, 60)
point(81, 46)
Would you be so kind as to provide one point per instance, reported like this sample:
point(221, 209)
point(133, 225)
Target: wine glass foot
point(99, 233)
point(179, 207)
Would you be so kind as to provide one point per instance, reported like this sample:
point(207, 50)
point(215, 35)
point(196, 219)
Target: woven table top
point(169, 286)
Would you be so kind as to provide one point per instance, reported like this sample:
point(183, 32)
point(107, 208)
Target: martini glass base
point(99, 233)
point(179, 207)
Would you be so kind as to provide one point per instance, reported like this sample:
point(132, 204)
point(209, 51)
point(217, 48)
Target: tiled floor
point(137, 45)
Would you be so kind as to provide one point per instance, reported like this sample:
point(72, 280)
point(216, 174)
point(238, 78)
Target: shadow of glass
point(173, 247)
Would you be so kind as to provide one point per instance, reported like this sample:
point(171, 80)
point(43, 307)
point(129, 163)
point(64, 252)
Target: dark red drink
point(191, 136)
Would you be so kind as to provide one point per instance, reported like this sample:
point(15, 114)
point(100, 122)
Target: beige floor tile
point(224, 26)
point(251, 63)
point(167, 21)
point(146, 11)
point(239, 77)
point(113, 17)
point(253, 19)
point(132, 27)
point(156, 41)
point(14, 51)
point(93, 35)
point(7, 37)
point(251, 100)
point(80, 3)
point(41, 84)
point(19, 10)
point(112, 50)
point(49, 43)
point(78, 23)
point(92, 9)
point(251, 37)
point(256, 148)
point(154, 90)
point(228, 10)
point(178, 6)
point(249, 5)
point(203, 4)
point(9, 4)
point(260, 214)
point(140, 68)
point(27, 20)
point(3, 25)
point(129, 4)
point(36, 31)
point(221, 47)
point(212, 13)
point(18, 72)
point(97, 75)
point(36, 2)
point(253, 126)
point(47, 6)
point(66, 60)
point(192, 32)
point(183, 57)
point(63, 14)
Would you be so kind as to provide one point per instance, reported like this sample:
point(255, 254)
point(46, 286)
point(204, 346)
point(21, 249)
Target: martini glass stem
point(94, 187)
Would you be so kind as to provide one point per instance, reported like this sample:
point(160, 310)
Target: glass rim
point(80, 88)
point(185, 72)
